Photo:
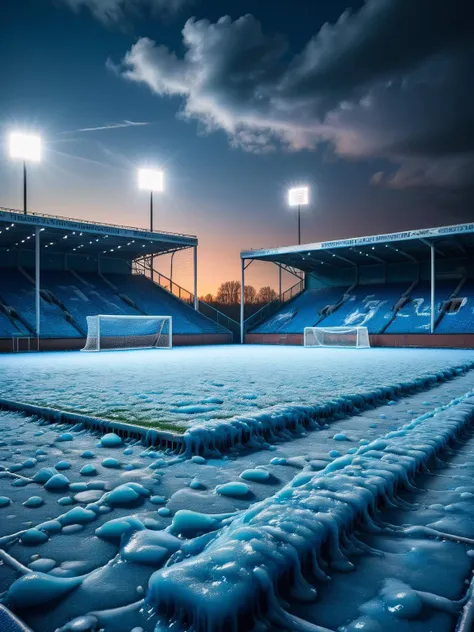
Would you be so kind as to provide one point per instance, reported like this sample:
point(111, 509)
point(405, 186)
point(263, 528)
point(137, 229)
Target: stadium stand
point(373, 306)
point(74, 297)
point(369, 306)
point(303, 311)
point(382, 282)
point(84, 269)
point(461, 319)
point(414, 317)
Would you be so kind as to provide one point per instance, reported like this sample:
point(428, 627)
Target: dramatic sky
point(370, 103)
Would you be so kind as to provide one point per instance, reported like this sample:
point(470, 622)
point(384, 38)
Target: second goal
point(355, 337)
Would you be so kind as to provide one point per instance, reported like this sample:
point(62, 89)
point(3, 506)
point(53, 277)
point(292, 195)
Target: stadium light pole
point(25, 147)
point(151, 180)
point(298, 196)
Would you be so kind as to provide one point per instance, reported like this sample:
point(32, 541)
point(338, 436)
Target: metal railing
point(219, 317)
point(141, 266)
point(87, 221)
point(273, 306)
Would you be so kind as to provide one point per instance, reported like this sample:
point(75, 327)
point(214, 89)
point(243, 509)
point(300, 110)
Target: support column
point(242, 303)
point(196, 300)
point(433, 283)
point(151, 230)
point(25, 189)
point(279, 283)
point(299, 224)
point(37, 281)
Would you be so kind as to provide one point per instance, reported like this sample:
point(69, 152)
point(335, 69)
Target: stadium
point(309, 468)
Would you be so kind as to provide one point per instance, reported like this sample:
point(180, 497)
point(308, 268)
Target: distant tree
point(266, 294)
point(250, 294)
point(208, 298)
point(228, 293)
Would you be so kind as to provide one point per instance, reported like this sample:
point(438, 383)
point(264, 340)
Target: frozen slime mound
point(235, 583)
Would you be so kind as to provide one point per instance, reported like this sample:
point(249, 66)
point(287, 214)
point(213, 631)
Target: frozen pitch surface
point(177, 389)
point(101, 533)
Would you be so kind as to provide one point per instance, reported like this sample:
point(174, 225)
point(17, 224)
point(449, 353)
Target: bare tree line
point(229, 294)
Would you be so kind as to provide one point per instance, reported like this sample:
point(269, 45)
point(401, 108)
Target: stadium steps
point(50, 298)
point(446, 305)
point(402, 301)
point(12, 322)
point(415, 315)
point(153, 299)
point(205, 309)
point(300, 312)
point(84, 295)
point(123, 297)
point(368, 306)
point(18, 293)
point(463, 320)
point(268, 312)
point(332, 308)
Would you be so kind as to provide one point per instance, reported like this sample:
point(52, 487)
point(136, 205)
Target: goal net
point(107, 333)
point(356, 337)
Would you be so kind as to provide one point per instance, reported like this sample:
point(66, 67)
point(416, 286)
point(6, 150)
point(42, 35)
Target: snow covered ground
point(94, 531)
point(186, 386)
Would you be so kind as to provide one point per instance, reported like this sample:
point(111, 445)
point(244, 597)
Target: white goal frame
point(317, 337)
point(94, 333)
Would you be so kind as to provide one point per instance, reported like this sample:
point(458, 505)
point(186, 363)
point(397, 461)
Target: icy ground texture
point(188, 386)
point(285, 543)
point(86, 526)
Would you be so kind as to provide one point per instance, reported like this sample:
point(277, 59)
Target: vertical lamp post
point(25, 147)
point(151, 180)
point(298, 196)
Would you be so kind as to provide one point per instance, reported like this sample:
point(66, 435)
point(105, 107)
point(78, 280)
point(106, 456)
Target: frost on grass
point(189, 386)
point(119, 525)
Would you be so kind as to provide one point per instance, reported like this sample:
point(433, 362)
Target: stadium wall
point(74, 344)
point(435, 341)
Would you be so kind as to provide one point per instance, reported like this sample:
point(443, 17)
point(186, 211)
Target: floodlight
point(25, 146)
point(298, 196)
point(150, 180)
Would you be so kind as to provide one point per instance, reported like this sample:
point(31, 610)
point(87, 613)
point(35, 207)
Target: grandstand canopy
point(392, 248)
point(65, 236)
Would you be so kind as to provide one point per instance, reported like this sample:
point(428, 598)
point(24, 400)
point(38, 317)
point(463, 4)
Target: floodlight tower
point(26, 147)
point(151, 180)
point(298, 196)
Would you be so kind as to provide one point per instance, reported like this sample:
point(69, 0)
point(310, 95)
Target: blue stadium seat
point(372, 306)
point(415, 316)
point(301, 312)
point(18, 292)
point(84, 299)
point(461, 321)
point(90, 294)
point(369, 306)
point(153, 300)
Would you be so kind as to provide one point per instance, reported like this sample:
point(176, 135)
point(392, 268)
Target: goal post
point(347, 337)
point(112, 333)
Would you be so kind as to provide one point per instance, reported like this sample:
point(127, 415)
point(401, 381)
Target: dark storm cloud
point(385, 39)
point(390, 81)
point(117, 11)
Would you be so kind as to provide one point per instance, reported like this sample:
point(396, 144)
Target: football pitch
point(189, 386)
point(100, 532)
